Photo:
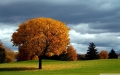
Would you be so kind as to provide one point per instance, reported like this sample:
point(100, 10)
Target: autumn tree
point(41, 36)
point(70, 55)
point(92, 52)
point(10, 55)
point(2, 53)
point(35, 57)
point(103, 54)
point(112, 54)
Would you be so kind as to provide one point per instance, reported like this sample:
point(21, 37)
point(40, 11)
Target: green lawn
point(52, 67)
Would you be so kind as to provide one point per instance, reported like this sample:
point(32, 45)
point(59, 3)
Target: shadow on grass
point(18, 69)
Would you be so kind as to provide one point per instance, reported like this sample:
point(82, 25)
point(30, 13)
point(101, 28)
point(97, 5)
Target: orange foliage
point(35, 57)
point(23, 54)
point(40, 36)
point(10, 55)
point(103, 54)
point(71, 53)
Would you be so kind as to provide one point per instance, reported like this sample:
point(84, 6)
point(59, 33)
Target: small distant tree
point(2, 53)
point(92, 52)
point(10, 55)
point(112, 54)
point(35, 57)
point(70, 55)
point(103, 54)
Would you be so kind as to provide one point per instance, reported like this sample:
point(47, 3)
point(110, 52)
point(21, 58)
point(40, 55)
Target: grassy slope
point(51, 67)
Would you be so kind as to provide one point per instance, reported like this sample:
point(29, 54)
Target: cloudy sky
point(95, 21)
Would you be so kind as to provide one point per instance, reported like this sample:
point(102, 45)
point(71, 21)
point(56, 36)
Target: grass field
point(52, 67)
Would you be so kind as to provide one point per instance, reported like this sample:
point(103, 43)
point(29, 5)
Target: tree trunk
point(40, 62)
point(41, 56)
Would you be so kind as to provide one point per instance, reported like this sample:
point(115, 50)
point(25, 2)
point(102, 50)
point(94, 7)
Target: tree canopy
point(103, 54)
point(41, 36)
point(71, 53)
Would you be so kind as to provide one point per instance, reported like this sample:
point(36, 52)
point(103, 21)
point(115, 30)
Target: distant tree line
point(71, 55)
point(7, 55)
point(93, 54)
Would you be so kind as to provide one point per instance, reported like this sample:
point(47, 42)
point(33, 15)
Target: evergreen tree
point(92, 52)
point(112, 54)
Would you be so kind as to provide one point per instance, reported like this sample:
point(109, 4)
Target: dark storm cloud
point(95, 21)
point(107, 27)
point(71, 12)
point(21, 11)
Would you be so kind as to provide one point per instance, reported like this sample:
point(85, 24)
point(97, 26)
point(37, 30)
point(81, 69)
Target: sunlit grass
point(60, 65)
point(53, 67)
point(19, 64)
point(47, 64)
